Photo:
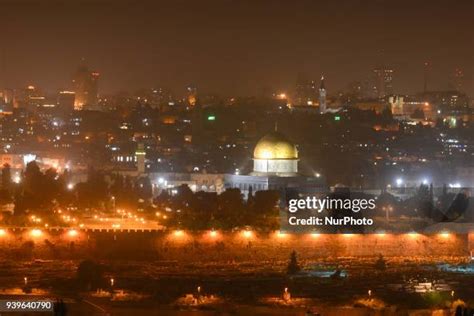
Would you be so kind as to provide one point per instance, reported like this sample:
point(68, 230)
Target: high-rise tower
point(322, 96)
point(86, 88)
point(383, 78)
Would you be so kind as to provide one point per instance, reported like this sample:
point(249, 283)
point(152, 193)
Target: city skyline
point(236, 48)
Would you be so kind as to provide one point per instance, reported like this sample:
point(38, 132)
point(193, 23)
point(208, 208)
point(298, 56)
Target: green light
point(337, 118)
point(211, 118)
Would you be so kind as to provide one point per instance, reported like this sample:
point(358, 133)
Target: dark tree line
point(228, 210)
point(43, 191)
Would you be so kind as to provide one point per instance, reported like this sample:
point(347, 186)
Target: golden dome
point(275, 146)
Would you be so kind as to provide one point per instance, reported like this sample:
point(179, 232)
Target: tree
point(386, 115)
point(418, 114)
point(264, 212)
point(380, 264)
point(90, 274)
point(6, 192)
point(230, 208)
point(424, 200)
point(6, 177)
point(144, 189)
point(293, 266)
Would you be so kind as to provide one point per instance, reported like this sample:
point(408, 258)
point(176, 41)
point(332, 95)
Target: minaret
point(322, 97)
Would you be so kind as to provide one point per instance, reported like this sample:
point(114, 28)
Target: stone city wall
point(224, 247)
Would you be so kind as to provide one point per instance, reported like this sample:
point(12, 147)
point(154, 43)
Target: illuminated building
point(322, 97)
point(191, 95)
point(306, 91)
point(458, 79)
point(275, 168)
point(371, 105)
point(140, 158)
point(66, 100)
point(404, 107)
point(274, 154)
point(85, 84)
point(447, 100)
point(383, 78)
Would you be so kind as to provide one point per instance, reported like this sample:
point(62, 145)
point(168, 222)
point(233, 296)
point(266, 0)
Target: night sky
point(235, 47)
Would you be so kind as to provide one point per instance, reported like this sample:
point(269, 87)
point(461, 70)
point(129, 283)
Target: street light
point(247, 233)
point(399, 181)
point(36, 232)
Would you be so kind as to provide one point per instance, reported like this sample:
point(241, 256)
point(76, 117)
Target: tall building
point(30, 98)
point(426, 74)
point(65, 101)
point(85, 84)
point(322, 96)
point(140, 158)
point(191, 95)
point(383, 81)
point(306, 91)
point(458, 79)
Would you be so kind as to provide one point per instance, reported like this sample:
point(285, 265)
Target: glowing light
point(399, 181)
point(178, 233)
point(112, 282)
point(17, 179)
point(445, 235)
point(72, 233)
point(315, 235)
point(413, 235)
point(36, 232)
point(3, 232)
point(70, 186)
point(213, 234)
point(281, 235)
point(247, 233)
point(348, 235)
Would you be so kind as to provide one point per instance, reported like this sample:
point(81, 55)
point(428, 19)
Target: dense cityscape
point(170, 199)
